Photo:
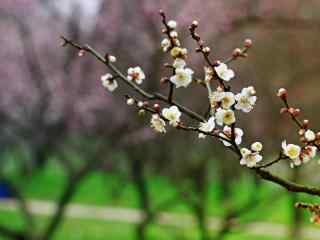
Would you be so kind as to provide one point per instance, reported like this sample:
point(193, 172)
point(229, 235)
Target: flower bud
point(283, 110)
point(140, 104)
point(81, 53)
point(130, 101)
point(301, 132)
point(296, 112)
point(282, 93)
point(305, 123)
point(206, 50)
point(112, 59)
point(164, 80)
point(156, 107)
point(172, 24)
point(195, 23)
point(318, 135)
point(248, 43)
point(236, 52)
point(291, 110)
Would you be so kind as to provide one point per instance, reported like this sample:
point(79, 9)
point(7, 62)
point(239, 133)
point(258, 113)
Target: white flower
point(291, 150)
point(207, 127)
point(215, 98)
point(157, 123)
point(310, 135)
point(172, 114)
point(250, 159)
point(227, 100)
point(308, 153)
point(256, 147)
point(165, 44)
point(182, 78)
point(224, 72)
point(227, 133)
point(112, 59)
point(136, 74)
point(172, 24)
point(177, 51)
point(246, 99)
point(108, 82)
point(226, 117)
point(179, 63)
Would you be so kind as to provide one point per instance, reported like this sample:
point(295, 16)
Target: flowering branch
point(223, 103)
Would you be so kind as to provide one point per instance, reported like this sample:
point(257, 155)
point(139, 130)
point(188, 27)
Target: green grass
point(105, 189)
point(75, 229)
point(102, 189)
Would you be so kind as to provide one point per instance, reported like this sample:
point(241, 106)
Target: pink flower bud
point(81, 53)
point(301, 132)
point(282, 93)
point(236, 52)
point(283, 110)
point(248, 43)
point(305, 123)
point(296, 112)
point(156, 107)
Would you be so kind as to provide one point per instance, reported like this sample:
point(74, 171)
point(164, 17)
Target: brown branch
point(136, 88)
point(290, 186)
point(156, 96)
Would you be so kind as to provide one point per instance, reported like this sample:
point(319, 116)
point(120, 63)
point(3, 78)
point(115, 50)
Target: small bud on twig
point(248, 43)
point(305, 123)
point(283, 110)
point(282, 93)
point(156, 107)
point(130, 101)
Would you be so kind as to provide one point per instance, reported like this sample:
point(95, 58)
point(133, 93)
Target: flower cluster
point(299, 154)
point(250, 157)
point(223, 102)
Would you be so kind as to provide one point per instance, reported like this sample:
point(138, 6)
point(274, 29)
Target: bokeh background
point(78, 163)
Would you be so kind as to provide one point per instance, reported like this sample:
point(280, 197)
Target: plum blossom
point(249, 158)
point(172, 24)
point(165, 44)
point(227, 100)
point(226, 117)
point(172, 114)
point(178, 52)
point(157, 123)
point(136, 74)
point(310, 135)
point(224, 72)
point(182, 77)
point(246, 99)
point(256, 146)
point(293, 152)
point(179, 63)
point(108, 82)
point(207, 127)
point(227, 133)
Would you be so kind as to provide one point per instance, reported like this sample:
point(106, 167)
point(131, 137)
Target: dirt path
point(82, 211)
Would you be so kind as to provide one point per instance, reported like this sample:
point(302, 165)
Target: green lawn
point(99, 189)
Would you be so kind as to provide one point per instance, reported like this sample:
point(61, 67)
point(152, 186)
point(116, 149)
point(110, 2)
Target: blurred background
point(78, 163)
